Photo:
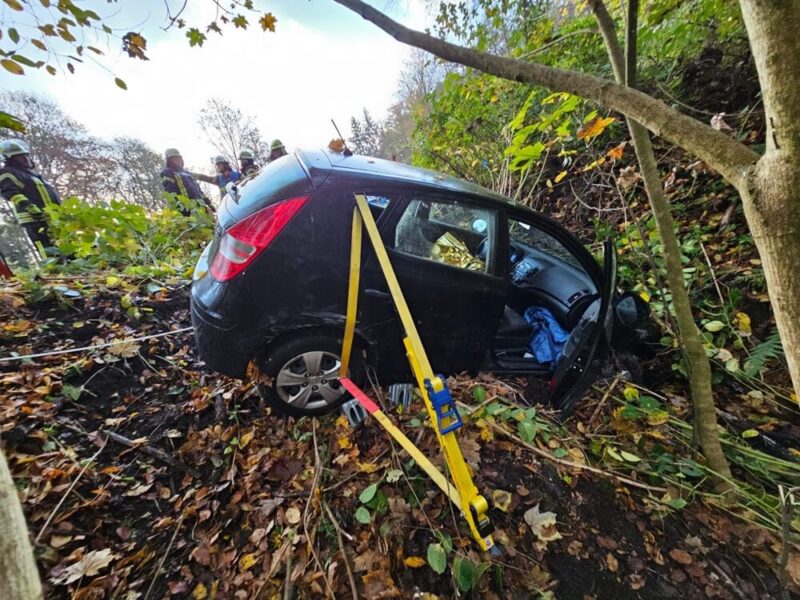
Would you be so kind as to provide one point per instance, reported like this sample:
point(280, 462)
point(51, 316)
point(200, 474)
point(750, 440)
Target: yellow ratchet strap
point(465, 495)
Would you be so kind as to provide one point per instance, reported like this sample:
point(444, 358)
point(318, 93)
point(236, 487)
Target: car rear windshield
point(281, 179)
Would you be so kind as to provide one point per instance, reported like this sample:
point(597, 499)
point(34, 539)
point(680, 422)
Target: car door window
point(522, 233)
point(456, 233)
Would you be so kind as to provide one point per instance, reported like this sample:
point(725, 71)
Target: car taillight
point(242, 243)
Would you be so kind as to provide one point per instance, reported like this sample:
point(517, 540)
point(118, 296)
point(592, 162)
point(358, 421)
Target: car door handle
point(378, 294)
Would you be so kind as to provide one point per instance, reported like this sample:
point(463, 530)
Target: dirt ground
point(142, 476)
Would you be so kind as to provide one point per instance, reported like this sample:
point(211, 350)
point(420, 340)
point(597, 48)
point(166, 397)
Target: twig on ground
point(726, 578)
point(69, 489)
point(306, 513)
point(339, 533)
point(164, 558)
point(287, 585)
point(602, 402)
point(147, 449)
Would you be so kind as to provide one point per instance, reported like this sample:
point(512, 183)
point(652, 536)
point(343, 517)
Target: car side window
point(459, 234)
point(377, 204)
point(526, 234)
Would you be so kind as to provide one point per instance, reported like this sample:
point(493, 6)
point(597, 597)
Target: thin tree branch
point(731, 158)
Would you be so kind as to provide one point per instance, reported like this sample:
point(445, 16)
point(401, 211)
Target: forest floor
point(142, 476)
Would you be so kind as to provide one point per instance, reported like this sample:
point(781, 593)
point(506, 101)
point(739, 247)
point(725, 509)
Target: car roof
point(377, 168)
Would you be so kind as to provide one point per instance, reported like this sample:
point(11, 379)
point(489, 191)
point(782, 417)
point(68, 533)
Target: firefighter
point(27, 192)
point(178, 181)
point(276, 150)
point(225, 175)
point(247, 163)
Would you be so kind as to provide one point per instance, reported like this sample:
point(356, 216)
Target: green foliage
point(122, 235)
point(770, 348)
point(467, 573)
point(437, 558)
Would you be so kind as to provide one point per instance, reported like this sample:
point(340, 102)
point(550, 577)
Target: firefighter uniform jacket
point(181, 182)
point(28, 194)
point(249, 170)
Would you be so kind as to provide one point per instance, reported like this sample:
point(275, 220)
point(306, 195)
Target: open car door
point(587, 348)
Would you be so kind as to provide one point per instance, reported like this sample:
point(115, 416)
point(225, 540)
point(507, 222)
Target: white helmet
point(14, 147)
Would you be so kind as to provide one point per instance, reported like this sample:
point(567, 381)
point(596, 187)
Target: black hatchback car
point(491, 284)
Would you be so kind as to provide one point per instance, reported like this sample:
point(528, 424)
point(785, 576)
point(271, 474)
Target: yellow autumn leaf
point(246, 562)
point(630, 393)
point(414, 562)
point(367, 467)
point(267, 22)
point(246, 439)
point(12, 67)
point(200, 592)
point(344, 442)
point(595, 164)
point(742, 322)
point(645, 295)
point(658, 417)
point(560, 176)
point(14, 4)
point(594, 128)
point(486, 435)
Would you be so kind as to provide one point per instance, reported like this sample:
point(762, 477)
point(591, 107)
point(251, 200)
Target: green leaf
point(560, 452)
point(678, 503)
point(464, 572)
point(196, 37)
point(362, 515)
point(368, 493)
point(13, 34)
point(527, 431)
point(714, 326)
point(71, 392)
point(495, 408)
point(750, 433)
point(120, 83)
point(629, 457)
point(240, 21)
point(479, 393)
point(437, 558)
point(8, 121)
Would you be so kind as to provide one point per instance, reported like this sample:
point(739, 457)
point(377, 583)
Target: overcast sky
point(323, 62)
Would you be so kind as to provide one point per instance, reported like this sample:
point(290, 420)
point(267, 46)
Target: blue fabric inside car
point(547, 337)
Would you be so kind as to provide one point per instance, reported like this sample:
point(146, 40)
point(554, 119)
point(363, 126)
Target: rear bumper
point(222, 345)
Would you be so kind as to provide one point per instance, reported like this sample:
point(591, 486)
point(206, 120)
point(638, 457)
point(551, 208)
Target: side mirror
point(479, 226)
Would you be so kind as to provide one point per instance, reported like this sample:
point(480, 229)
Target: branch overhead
point(731, 158)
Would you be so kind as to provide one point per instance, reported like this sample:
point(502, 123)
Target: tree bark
point(771, 194)
point(19, 578)
point(698, 367)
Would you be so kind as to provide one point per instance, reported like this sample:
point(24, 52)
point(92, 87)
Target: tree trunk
point(771, 194)
point(698, 367)
point(19, 578)
point(772, 207)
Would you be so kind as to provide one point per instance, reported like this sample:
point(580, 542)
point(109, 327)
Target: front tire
point(304, 375)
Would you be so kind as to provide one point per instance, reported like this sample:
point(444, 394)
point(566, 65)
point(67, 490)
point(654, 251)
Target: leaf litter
point(209, 496)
